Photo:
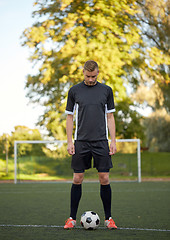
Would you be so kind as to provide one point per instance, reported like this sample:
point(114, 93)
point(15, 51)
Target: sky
point(15, 109)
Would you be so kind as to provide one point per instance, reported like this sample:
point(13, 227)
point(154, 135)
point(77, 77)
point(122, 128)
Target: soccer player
point(94, 106)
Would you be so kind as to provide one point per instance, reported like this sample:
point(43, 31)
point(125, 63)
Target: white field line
point(55, 226)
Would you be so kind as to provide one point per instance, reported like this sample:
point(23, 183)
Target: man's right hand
point(71, 148)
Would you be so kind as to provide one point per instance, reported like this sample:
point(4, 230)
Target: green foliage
point(67, 34)
point(154, 90)
point(128, 121)
point(130, 41)
point(23, 133)
point(154, 20)
point(158, 131)
point(4, 143)
point(166, 94)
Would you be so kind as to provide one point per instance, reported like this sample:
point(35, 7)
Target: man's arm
point(112, 131)
point(69, 131)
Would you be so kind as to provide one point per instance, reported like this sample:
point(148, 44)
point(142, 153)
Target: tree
point(154, 90)
point(127, 121)
point(4, 147)
point(25, 133)
point(69, 32)
point(154, 20)
point(158, 131)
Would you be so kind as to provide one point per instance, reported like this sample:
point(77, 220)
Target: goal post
point(138, 154)
point(29, 142)
point(137, 141)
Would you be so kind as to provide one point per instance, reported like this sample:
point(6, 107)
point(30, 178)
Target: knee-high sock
point(106, 195)
point(76, 191)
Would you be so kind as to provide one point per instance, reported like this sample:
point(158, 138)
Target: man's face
point(90, 78)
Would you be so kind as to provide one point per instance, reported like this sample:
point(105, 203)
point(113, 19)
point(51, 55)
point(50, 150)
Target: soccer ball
point(90, 220)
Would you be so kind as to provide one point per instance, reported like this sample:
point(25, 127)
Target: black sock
point(106, 195)
point(75, 199)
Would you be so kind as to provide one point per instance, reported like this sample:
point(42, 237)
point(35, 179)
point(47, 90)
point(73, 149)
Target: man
point(94, 105)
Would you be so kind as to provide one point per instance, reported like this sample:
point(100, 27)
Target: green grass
point(124, 167)
point(134, 205)
point(155, 164)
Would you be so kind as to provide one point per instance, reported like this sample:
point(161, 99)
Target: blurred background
point(44, 45)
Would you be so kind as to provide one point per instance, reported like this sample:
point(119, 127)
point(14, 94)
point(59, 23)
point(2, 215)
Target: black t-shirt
point(91, 103)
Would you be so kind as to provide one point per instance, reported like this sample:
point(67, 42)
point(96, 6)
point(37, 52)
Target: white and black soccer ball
point(90, 220)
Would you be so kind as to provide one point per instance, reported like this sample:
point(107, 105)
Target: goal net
point(49, 161)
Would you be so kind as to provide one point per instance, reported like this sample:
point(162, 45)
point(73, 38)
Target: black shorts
point(84, 151)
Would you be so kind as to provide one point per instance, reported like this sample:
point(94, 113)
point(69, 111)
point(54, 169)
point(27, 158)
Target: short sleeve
point(70, 108)
point(110, 101)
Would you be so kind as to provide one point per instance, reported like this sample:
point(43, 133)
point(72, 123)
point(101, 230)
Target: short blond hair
point(90, 65)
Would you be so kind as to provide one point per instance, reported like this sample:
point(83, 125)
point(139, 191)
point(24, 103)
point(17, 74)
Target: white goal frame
point(64, 141)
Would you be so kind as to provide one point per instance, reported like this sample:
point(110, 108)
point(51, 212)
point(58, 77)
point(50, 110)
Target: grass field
point(38, 211)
